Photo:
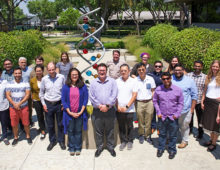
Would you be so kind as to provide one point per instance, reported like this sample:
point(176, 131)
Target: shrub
point(157, 36)
point(213, 53)
point(189, 45)
point(118, 44)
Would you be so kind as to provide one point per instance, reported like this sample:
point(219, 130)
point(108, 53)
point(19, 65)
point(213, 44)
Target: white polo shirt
point(144, 87)
point(125, 90)
point(4, 104)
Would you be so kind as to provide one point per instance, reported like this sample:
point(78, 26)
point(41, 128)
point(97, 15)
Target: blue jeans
point(54, 110)
point(75, 134)
point(170, 128)
point(154, 121)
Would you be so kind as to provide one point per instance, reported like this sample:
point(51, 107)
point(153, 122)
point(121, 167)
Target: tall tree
point(44, 9)
point(8, 9)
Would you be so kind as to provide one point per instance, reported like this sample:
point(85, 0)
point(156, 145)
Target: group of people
point(162, 101)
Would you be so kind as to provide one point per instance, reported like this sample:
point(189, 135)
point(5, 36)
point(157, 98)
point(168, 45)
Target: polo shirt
point(3, 100)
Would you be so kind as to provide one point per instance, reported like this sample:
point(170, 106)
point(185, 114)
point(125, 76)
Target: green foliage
point(133, 44)
point(115, 33)
point(112, 45)
point(157, 36)
point(69, 17)
point(189, 45)
point(16, 44)
point(213, 53)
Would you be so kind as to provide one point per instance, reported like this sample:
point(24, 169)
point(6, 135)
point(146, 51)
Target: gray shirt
point(50, 88)
point(64, 68)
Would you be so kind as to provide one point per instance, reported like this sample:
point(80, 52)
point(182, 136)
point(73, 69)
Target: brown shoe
point(182, 145)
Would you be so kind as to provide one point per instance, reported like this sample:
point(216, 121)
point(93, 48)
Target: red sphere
point(85, 51)
point(95, 66)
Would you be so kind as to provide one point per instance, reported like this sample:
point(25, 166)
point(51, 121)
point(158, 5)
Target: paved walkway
point(142, 157)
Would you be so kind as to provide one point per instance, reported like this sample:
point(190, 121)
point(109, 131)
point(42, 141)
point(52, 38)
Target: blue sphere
point(85, 26)
point(88, 73)
point(91, 40)
point(93, 58)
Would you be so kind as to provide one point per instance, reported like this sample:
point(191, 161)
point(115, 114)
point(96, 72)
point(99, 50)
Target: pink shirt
point(74, 99)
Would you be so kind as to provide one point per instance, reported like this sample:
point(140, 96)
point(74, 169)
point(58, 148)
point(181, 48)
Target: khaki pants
point(145, 115)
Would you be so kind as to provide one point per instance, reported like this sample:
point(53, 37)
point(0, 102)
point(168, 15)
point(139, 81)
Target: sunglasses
point(157, 66)
point(165, 79)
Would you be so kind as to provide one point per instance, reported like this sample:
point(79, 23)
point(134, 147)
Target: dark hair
point(39, 66)
point(140, 65)
point(116, 51)
point(0, 70)
point(198, 61)
point(158, 62)
point(39, 58)
point(165, 74)
point(17, 68)
point(7, 59)
point(170, 65)
point(179, 65)
point(68, 60)
point(102, 65)
point(125, 65)
point(79, 83)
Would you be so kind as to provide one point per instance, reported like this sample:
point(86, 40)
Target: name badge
point(148, 86)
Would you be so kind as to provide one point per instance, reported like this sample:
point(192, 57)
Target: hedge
point(189, 45)
point(15, 44)
point(213, 53)
point(157, 36)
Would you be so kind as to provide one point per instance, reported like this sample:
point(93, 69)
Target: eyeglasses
point(165, 79)
point(141, 69)
point(157, 66)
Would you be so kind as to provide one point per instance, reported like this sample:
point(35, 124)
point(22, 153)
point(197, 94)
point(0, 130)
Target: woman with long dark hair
point(210, 104)
point(74, 100)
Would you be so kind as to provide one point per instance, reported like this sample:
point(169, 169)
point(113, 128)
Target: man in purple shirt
point(168, 102)
point(103, 93)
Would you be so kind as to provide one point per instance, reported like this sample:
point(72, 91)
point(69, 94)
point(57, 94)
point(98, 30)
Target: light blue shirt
point(51, 88)
point(7, 76)
point(189, 89)
point(26, 74)
point(4, 104)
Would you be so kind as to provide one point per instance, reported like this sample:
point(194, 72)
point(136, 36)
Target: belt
point(144, 101)
point(53, 103)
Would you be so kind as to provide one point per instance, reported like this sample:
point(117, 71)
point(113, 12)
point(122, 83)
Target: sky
point(23, 6)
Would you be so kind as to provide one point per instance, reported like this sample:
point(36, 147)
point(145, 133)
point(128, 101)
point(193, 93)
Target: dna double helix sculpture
point(90, 41)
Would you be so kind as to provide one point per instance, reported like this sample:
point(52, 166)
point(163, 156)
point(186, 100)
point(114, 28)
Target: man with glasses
point(168, 102)
point(103, 92)
point(199, 79)
point(190, 95)
point(7, 73)
point(156, 74)
point(145, 89)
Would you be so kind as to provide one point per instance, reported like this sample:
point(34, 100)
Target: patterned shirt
point(18, 91)
point(114, 68)
point(200, 83)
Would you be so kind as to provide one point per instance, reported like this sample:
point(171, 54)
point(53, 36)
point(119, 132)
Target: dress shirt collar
point(195, 75)
point(106, 80)
point(174, 77)
point(26, 68)
point(10, 72)
point(164, 88)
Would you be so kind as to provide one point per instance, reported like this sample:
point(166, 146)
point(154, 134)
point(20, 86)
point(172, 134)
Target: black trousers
point(199, 113)
point(104, 123)
point(4, 117)
point(40, 114)
point(125, 124)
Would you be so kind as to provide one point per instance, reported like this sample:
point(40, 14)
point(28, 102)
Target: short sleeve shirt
point(18, 91)
point(64, 68)
point(125, 90)
point(144, 87)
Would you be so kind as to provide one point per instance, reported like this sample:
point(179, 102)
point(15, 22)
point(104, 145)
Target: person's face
point(51, 70)
point(158, 67)
point(116, 56)
point(178, 71)
point(215, 68)
point(41, 62)
point(39, 72)
point(174, 61)
point(22, 64)
point(74, 76)
point(145, 59)
point(142, 71)
point(102, 72)
point(197, 67)
point(8, 65)
point(18, 75)
point(124, 72)
point(64, 58)
point(166, 81)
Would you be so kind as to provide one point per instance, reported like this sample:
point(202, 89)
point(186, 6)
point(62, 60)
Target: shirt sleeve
point(58, 65)
point(63, 97)
point(85, 95)
point(194, 90)
point(155, 102)
point(114, 94)
point(92, 95)
point(180, 103)
point(153, 85)
point(42, 91)
point(135, 87)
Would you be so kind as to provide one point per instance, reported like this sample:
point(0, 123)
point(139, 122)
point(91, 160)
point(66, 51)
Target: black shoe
point(51, 145)
point(42, 136)
point(199, 137)
point(112, 152)
point(159, 153)
point(31, 124)
point(62, 146)
point(141, 139)
point(211, 148)
point(98, 152)
point(15, 142)
point(172, 155)
point(29, 141)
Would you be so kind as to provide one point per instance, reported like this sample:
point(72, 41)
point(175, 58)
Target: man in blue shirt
point(190, 94)
point(7, 73)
